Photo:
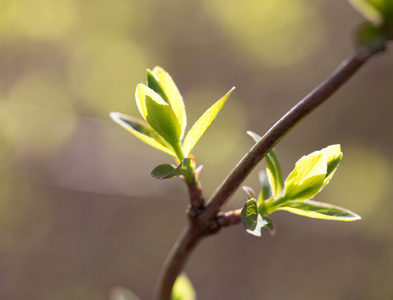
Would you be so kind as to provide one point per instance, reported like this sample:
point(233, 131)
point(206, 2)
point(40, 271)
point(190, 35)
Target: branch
point(207, 220)
point(175, 262)
point(318, 96)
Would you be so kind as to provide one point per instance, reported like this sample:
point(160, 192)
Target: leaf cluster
point(310, 175)
point(164, 122)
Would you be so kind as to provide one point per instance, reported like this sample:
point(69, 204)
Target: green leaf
point(319, 210)
point(159, 115)
point(183, 289)
point(143, 131)
point(154, 84)
point(203, 123)
point(373, 38)
point(307, 178)
point(165, 171)
point(120, 293)
point(266, 191)
point(174, 97)
point(251, 219)
point(270, 225)
point(273, 170)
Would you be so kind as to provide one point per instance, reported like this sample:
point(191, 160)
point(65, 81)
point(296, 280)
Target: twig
point(208, 220)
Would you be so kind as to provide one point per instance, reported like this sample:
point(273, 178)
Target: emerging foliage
point(165, 120)
point(311, 173)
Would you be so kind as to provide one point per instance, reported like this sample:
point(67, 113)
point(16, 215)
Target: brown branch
point(308, 104)
point(207, 220)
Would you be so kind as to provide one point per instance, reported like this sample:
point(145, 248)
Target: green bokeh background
point(79, 212)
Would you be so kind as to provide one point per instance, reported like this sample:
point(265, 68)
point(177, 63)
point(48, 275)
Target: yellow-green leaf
point(369, 10)
point(174, 97)
point(143, 131)
point(273, 171)
point(120, 293)
point(159, 115)
point(203, 123)
point(183, 289)
point(319, 210)
point(307, 178)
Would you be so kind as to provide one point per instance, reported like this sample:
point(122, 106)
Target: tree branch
point(208, 220)
point(308, 104)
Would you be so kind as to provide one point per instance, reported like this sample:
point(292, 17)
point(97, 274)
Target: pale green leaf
point(369, 10)
point(174, 97)
point(378, 12)
point(307, 178)
point(270, 225)
point(120, 293)
point(203, 123)
point(318, 210)
point(250, 192)
point(158, 114)
point(273, 170)
point(256, 137)
point(183, 289)
point(266, 191)
point(143, 131)
point(251, 219)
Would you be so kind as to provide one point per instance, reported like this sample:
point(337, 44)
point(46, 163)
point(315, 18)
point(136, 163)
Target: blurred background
point(79, 212)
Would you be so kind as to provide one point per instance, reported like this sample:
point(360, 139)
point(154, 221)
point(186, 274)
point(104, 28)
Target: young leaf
point(251, 219)
point(333, 156)
point(266, 191)
point(143, 131)
point(306, 179)
point(120, 293)
point(369, 10)
point(158, 114)
point(183, 289)
point(250, 192)
point(273, 170)
point(373, 38)
point(174, 97)
point(165, 171)
point(154, 84)
point(319, 210)
point(378, 12)
point(270, 225)
point(203, 123)
point(254, 136)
